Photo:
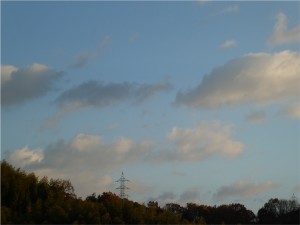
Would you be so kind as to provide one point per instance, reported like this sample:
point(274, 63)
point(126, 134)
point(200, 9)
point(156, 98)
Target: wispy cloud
point(83, 58)
point(256, 78)
point(281, 34)
point(296, 189)
point(178, 173)
point(292, 111)
point(96, 94)
point(243, 189)
point(191, 195)
point(228, 44)
point(256, 117)
point(228, 10)
point(19, 85)
point(134, 37)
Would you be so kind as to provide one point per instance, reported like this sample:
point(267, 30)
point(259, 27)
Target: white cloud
point(256, 117)
point(89, 159)
point(258, 78)
point(281, 34)
point(22, 84)
point(195, 144)
point(26, 156)
point(6, 71)
point(86, 159)
point(243, 189)
point(228, 44)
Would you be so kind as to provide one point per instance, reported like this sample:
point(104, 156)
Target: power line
point(122, 186)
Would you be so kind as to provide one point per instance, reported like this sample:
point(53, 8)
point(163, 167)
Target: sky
point(194, 101)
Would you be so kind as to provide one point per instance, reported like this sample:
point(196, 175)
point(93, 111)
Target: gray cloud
point(292, 111)
point(258, 78)
point(83, 58)
point(96, 94)
point(164, 198)
point(191, 195)
point(19, 85)
point(145, 91)
point(243, 189)
point(256, 117)
point(99, 94)
point(90, 159)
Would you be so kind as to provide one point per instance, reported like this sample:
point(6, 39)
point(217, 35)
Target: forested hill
point(27, 199)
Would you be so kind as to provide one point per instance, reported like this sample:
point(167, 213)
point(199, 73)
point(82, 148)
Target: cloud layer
point(96, 94)
point(258, 78)
point(195, 144)
point(84, 159)
point(99, 94)
point(22, 84)
point(243, 189)
point(89, 158)
point(281, 34)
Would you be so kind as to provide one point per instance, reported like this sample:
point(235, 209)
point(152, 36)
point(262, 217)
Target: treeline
point(27, 199)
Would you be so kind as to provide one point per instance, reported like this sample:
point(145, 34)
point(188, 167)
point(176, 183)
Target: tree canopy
point(27, 199)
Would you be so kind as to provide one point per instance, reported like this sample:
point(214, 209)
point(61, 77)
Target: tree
point(279, 211)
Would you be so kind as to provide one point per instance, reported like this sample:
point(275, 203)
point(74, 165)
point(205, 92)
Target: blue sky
point(194, 101)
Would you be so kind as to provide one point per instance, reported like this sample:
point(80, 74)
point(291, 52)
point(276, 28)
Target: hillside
point(27, 199)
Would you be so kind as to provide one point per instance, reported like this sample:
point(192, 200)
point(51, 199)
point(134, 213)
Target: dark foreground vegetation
point(27, 199)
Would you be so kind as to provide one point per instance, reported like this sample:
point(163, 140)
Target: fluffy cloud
point(281, 34)
point(90, 159)
point(258, 78)
point(84, 159)
point(256, 117)
point(195, 144)
point(83, 58)
point(22, 84)
point(243, 189)
point(26, 156)
point(228, 44)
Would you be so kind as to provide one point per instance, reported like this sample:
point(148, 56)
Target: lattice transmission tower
point(122, 186)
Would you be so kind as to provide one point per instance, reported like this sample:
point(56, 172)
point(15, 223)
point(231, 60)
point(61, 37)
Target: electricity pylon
point(122, 186)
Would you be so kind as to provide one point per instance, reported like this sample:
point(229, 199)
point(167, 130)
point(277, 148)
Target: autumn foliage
point(27, 199)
